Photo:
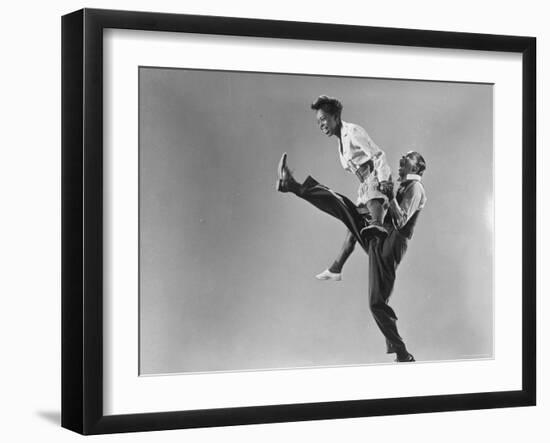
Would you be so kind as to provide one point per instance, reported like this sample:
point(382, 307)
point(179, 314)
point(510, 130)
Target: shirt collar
point(411, 177)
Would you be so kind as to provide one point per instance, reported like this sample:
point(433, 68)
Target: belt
point(364, 170)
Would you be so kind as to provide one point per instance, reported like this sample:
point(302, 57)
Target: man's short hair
point(328, 104)
point(420, 162)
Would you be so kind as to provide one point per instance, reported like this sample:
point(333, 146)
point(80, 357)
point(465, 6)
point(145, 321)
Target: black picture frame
point(82, 218)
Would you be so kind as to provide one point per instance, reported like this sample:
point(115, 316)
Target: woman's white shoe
point(327, 275)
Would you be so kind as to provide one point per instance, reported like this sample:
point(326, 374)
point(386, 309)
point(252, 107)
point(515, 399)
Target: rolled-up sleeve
point(381, 167)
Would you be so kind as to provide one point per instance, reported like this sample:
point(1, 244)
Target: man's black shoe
point(408, 358)
point(285, 180)
point(281, 173)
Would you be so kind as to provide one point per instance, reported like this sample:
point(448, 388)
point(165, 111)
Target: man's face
point(407, 165)
point(328, 123)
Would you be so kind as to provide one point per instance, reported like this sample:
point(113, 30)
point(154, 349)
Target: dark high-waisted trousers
point(384, 255)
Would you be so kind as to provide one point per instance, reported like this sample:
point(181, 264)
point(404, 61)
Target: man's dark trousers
point(384, 254)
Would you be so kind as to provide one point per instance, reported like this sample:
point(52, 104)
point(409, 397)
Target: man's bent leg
point(332, 203)
point(321, 197)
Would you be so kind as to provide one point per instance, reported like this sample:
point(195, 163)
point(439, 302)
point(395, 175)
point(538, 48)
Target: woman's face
point(328, 123)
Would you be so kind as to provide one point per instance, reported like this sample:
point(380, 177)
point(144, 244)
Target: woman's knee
point(350, 242)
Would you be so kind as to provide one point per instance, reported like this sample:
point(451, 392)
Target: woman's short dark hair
point(328, 104)
point(420, 162)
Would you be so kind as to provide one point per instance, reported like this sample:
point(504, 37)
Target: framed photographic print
point(269, 221)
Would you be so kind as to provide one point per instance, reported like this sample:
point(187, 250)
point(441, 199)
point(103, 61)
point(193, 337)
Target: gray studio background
point(227, 264)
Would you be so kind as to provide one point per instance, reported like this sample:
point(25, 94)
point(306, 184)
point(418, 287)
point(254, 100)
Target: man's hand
point(386, 188)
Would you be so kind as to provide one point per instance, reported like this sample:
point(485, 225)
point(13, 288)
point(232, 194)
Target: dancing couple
point(382, 220)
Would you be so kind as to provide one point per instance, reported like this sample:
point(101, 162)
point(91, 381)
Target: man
point(385, 253)
point(362, 157)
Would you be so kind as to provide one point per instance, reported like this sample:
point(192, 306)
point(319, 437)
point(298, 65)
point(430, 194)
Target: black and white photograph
point(307, 221)
point(255, 222)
